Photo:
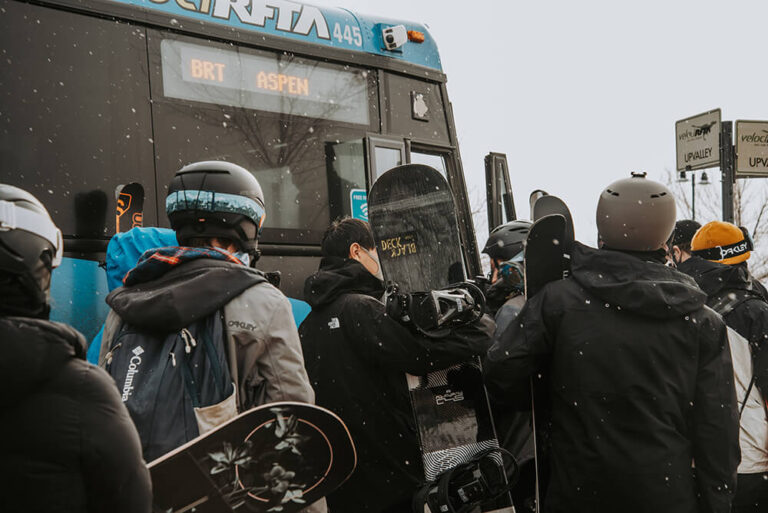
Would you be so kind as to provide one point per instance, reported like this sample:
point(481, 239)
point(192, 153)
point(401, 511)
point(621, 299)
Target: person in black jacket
point(640, 378)
point(679, 244)
point(66, 441)
point(357, 357)
point(505, 298)
point(719, 265)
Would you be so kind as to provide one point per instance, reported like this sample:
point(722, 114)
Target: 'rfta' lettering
point(253, 12)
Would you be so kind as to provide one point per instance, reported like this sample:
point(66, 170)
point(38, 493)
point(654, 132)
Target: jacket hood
point(186, 293)
point(713, 277)
point(33, 352)
point(338, 276)
point(647, 288)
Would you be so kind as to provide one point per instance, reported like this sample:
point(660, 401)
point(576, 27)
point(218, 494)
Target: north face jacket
point(640, 387)
point(67, 443)
point(262, 342)
point(357, 358)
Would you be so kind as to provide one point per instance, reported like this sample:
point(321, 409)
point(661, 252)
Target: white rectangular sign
point(751, 148)
point(698, 141)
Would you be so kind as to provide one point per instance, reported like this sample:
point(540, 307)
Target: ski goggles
point(216, 202)
point(728, 251)
point(512, 270)
point(14, 217)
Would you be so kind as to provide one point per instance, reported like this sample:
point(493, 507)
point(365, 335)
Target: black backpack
point(163, 377)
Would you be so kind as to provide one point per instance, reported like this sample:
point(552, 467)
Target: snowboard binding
point(437, 312)
point(461, 489)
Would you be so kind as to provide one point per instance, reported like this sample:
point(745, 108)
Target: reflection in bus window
point(431, 160)
point(287, 142)
point(346, 177)
point(75, 120)
point(501, 185)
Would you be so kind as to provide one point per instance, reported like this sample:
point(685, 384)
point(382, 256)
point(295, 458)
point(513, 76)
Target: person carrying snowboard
point(719, 265)
point(67, 442)
point(643, 411)
point(196, 335)
point(357, 357)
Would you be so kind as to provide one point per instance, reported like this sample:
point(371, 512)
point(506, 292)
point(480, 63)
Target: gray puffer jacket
point(262, 342)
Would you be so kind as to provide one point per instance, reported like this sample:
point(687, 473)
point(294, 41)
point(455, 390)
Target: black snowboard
point(277, 457)
point(411, 211)
point(129, 211)
point(547, 259)
point(545, 253)
point(548, 205)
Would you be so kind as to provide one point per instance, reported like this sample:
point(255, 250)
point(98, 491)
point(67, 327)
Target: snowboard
point(546, 259)
point(412, 214)
point(545, 254)
point(548, 205)
point(129, 211)
point(277, 457)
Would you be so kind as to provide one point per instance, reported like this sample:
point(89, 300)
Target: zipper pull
point(189, 340)
point(108, 357)
point(173, 358)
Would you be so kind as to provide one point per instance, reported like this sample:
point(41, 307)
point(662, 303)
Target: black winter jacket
point(356, 358)
point(749, 316)
point(67, 442)
point(641, 386)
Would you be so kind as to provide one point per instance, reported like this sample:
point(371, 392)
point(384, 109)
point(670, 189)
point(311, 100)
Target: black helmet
point(30, 247)
point(507, 240)
point(216, 199)
point(683, 233)
point(635, 214)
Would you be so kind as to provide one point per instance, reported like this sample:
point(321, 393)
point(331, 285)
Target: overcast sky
point(578, 94)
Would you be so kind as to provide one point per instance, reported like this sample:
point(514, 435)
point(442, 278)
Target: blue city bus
point(317, 102)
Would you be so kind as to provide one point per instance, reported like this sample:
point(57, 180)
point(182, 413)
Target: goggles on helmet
point(14, 217)
point(215, 202)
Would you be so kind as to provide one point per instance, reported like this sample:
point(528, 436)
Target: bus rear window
point(273, 82)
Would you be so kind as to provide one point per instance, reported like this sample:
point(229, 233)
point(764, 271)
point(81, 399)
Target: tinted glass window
point(430, 159)
point(302, 162)
point(386, 159)
point(74, 114)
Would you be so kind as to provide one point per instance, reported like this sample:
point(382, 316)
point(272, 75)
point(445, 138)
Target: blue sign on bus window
point(358, 201)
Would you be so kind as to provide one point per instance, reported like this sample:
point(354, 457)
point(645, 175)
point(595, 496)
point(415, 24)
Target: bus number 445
point(350, 34)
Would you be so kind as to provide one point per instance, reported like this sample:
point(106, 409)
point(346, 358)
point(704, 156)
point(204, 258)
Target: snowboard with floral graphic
point(280, 457)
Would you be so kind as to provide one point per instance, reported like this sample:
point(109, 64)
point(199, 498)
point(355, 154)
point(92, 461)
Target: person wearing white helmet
point(67, 442)
point(643, 410)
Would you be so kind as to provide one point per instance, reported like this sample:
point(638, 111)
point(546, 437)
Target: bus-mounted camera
point(394, 37)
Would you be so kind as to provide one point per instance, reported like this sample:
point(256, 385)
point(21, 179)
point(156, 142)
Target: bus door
point(500, 203)
point(382, 154)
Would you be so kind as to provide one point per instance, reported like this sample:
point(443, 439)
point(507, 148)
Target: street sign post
point(698, 141)
point(751, 148)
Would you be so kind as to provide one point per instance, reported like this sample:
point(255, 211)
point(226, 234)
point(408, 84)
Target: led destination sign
point(275, 83)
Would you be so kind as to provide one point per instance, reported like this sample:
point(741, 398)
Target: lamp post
point(682, 177)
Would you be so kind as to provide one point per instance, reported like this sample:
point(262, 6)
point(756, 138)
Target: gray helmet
point(635, 214)
point(30, 247)
point(507, 240)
